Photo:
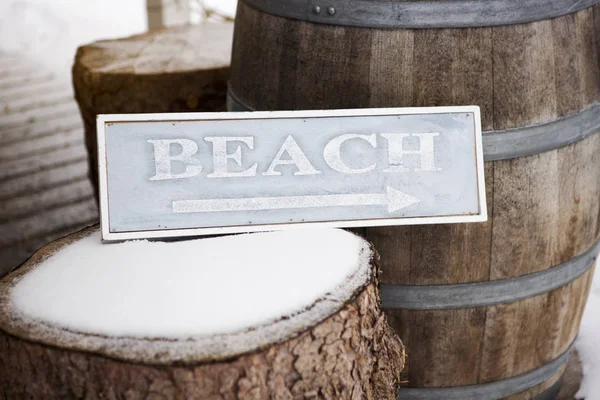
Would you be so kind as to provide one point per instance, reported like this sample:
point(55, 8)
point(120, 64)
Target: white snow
point(226, 8)
point(588, 344)
point(49, 31)
point(188, 288)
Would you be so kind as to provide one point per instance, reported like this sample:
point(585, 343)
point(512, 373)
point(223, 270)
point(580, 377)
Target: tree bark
point(352, 354)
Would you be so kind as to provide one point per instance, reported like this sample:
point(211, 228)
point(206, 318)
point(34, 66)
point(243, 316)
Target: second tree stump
point(181, 69)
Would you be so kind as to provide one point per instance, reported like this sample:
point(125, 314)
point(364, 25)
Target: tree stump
point(337, 346)
point(180, 69)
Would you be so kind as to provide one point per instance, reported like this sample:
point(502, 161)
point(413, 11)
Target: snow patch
point(588, 343)
point(49, 31)
point(188, 288)
point(226, 8)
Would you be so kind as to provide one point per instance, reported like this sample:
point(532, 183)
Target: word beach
point(191, 174)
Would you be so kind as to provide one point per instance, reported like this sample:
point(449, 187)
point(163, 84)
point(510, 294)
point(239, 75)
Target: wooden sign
point(167, 175)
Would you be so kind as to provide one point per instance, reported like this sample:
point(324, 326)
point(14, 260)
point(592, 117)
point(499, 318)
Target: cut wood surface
point(338, 347)
point(543, 209)
point(44, 190)
point(179, 69)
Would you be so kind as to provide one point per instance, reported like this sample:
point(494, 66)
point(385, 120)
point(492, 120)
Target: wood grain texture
point(571, 379)
point(527, 334)
point(352, 354)
point(49, 99)
point(44, 191)
point(543, 209)
point(181, 69)
point(52, 125)
point(435, 338)
point(517, 74)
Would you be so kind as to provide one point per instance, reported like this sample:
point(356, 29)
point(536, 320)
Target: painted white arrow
point(394, 199)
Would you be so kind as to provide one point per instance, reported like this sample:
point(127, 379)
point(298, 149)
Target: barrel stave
point(489, 344)
point(524, 335)
point(439, 338)
point(543, 211)
point(539, 389)
point(576, 69)
point(579, 217)
point(517, 74)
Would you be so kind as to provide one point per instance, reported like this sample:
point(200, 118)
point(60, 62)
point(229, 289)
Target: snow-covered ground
point(49, 31)
point(588, 343)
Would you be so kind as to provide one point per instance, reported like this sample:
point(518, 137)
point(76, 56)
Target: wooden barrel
point(487, 310)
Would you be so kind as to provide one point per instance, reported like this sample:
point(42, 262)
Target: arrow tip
point(398, 200)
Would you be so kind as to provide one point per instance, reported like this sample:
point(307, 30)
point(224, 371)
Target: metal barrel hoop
point(422, 14)
point(482, 294)
point(498, 389)
point(518, 142)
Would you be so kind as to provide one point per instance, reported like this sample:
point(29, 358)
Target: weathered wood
point(55, 123)
point(182, 69)
point(17, 70)
point(27, 80)
point(44, 193)
point(12, 121)
point(25, 205)
point(352, 354)
point(571, 379)
point(42, 180)
point(265, 44)
point(31, 91)
point(34, 163)
point(543, 209)
point(40, 146)
point(50, 99)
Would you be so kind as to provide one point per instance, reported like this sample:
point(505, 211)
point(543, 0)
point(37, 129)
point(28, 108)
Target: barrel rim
point(497, 389)
point(420, 15)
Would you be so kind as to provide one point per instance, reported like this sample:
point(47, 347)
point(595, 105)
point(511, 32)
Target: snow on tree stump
point(179, 69)
point(282, 315)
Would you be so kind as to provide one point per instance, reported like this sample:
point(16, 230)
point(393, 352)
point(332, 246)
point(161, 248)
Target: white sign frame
point(103, 119)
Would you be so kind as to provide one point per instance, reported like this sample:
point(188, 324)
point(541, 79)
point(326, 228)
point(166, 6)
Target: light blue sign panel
point(192, 174)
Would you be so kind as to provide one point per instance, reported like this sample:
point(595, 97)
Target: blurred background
point(49, 31)
point(45, 192)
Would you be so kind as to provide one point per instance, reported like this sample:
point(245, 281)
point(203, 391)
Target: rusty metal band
point(421, 14)
point(480, 294)
point(498, 389)
point(519, 142)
